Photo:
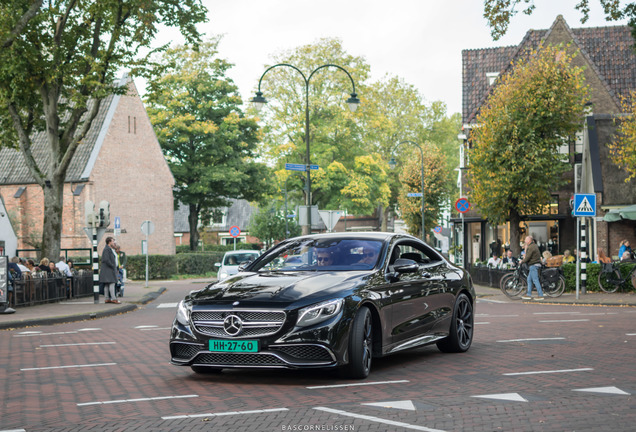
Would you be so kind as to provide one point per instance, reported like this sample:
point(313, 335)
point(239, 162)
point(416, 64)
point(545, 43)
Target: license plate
point(242, 346)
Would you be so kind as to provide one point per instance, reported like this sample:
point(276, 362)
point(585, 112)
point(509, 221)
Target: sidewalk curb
point(85, 316)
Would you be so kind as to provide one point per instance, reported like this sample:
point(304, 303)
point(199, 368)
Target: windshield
point(322, 255)
point(239, 258)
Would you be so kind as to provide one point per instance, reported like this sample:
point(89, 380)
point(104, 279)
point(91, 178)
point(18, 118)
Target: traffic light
point(104, 214)
point(89, 214)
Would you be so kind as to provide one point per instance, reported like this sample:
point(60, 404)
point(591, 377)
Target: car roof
point(363, 235)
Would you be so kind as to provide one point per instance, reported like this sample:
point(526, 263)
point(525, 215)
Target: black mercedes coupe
point(324, 301)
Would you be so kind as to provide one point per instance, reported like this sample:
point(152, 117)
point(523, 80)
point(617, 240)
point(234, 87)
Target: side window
point(418, 253)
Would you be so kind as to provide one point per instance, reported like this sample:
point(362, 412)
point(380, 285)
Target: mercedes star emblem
point(232, 325)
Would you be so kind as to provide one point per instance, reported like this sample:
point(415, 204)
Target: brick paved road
point(113, 374)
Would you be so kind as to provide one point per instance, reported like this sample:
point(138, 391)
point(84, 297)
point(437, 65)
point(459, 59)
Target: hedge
point(592, 270)
point(166, 266)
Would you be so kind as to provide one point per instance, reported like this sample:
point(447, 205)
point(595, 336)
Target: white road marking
point(357, 384)
point(377, 419)
point(532, 339)
point(482, 323)
point(179, 417)
point(29, 332)
point(158, 328)
point(70, 366)
point(167, 305)
point(516, 397)
point(479, 300)
point(405, 405)
point(136, 400)
point(555, 313)
point(145, 326)
point(630, 334)
point(606, 390)
point(25, 334)
point(496, 316)
point(549, 372)
point(563, 321)
point(78, 344)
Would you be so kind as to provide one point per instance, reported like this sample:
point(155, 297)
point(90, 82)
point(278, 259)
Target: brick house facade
point(119, 161)
point(609, 62)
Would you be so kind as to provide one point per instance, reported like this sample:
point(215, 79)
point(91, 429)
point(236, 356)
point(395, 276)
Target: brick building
point(608, 56)
point(119, 161)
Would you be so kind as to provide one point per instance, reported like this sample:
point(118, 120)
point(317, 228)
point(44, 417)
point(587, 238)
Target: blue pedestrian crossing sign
point(584, 205)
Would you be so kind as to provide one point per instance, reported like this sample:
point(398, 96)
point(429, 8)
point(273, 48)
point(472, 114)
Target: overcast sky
point(418, 40)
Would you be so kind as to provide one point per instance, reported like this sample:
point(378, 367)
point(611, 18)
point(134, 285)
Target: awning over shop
point(622, 213)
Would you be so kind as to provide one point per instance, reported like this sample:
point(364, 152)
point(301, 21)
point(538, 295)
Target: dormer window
point(492, 76)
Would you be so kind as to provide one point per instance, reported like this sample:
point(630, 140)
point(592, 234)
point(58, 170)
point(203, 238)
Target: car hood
point(278, 287)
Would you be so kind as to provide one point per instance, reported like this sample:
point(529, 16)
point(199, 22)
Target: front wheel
point(360, 346)
point(609, 281)
point(460, 334)
point(555, 289)
point(511, 285)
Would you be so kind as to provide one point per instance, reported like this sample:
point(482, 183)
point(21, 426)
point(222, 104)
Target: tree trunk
point(193, 221)
point(515, 220)
point(52, 226)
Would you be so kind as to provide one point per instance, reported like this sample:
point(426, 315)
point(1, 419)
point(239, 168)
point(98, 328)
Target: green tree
point(268, 224)
point(436, 190)
point(514, 160)
point(623, 148)
point(57, 63)
point(208, 141)
point(499, 12)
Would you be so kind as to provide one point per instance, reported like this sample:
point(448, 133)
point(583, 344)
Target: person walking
point(108, 271)
point(533, 259)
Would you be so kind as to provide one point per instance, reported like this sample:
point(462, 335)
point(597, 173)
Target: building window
point(492, 77)
point(219, 217)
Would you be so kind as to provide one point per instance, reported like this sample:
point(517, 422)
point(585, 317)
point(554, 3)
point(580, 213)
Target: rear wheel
point(460, 335)
point(511, 285)
point(360, 346)
point(609, 281)
point(555, 289)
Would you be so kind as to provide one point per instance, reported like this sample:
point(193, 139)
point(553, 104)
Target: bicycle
point(515, 284)
point(610, 277)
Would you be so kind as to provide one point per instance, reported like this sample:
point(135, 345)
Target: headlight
point(318, 313)
point(183, 316)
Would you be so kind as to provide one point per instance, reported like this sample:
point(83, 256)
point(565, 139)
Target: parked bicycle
point(515, 284)
point(610, 277)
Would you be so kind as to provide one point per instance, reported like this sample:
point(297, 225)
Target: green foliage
point(498, 13)
point(166, 266)
point(532, 111)
point(436, 193)
point(268, 224)
point(209, 143)
point(58, 61)
point(213, 248)
point(623, 148)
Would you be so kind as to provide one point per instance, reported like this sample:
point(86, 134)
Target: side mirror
point(217, 264)
point(403, 265)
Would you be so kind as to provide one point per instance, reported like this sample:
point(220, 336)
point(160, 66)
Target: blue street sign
point(235, 231)
point(313, 167)
point(117, 222)
point(414, 194)
point(584, 205)
point(295, 167)
point(438, 229)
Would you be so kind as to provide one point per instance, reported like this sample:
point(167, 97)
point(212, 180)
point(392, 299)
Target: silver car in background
point(232, 260)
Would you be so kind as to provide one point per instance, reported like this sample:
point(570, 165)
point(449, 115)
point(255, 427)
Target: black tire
point(206, 370)
point(609, 281)
point(360, 346)
point(511, 286)
point(555, 289)
point(460, 336)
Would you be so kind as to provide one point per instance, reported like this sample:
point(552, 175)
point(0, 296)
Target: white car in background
point(232, 260)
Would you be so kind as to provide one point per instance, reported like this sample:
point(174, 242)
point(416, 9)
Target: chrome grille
point(254, 323)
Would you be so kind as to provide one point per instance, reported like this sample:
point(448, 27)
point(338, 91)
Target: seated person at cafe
point(567, 256)
point(494, 261)
point(626, 256)
point(509, 261)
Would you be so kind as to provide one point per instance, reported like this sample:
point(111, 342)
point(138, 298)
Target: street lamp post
point(353, 103)
point(392, 164)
